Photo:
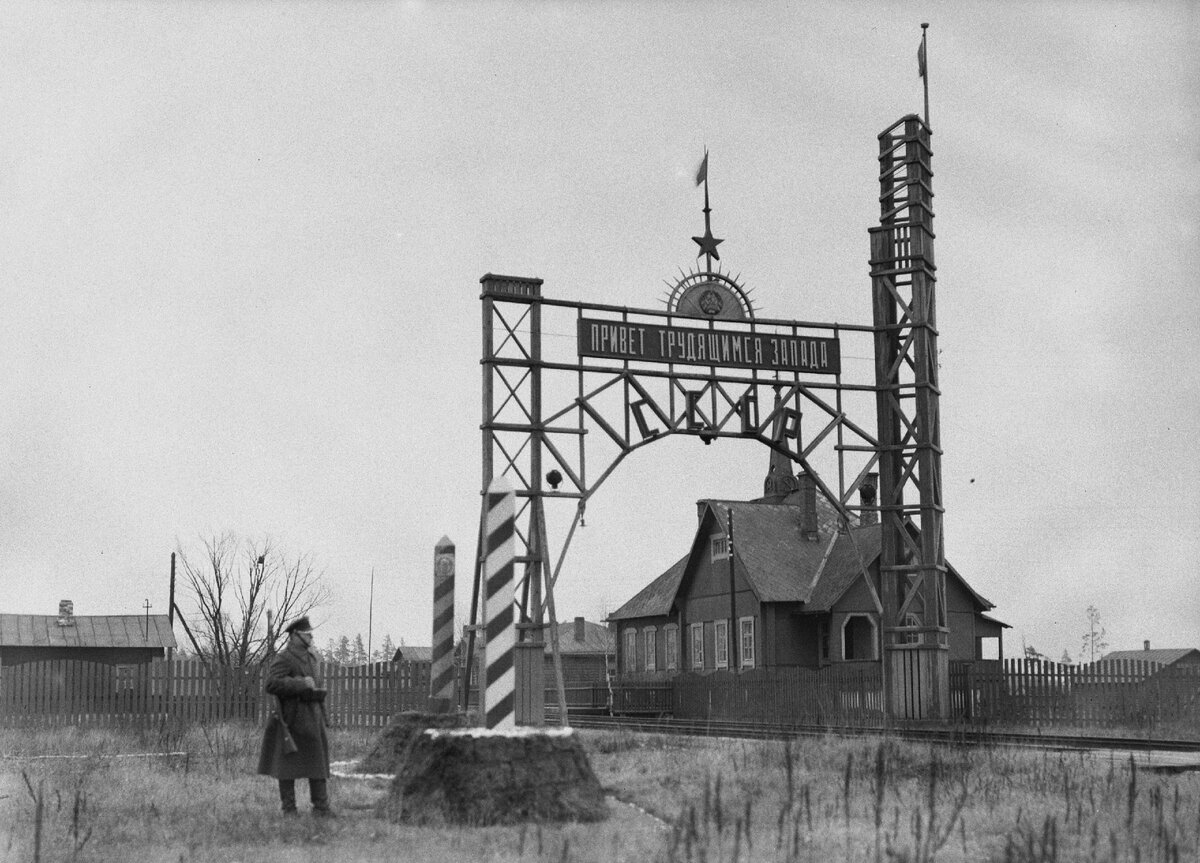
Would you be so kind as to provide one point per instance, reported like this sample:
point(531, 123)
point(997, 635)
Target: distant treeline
point(347, 651)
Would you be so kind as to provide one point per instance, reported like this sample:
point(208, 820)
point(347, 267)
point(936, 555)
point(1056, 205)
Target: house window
point(697, 645)
point(720, 547)
point(746, 628)
point(858, 637)
point(911, 619)
point(651, 643)
point(823, 640)
point(631, 649)
point(671, 632)
point(721, 645)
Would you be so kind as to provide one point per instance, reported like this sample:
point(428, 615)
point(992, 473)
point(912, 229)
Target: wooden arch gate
point(571, 388)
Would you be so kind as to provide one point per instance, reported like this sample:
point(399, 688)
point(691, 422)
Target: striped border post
point(499, 628)
point(441, 673)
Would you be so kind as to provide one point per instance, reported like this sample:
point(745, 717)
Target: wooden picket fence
point(71, 692)
point(846, 694)
point(1128, 695)
point(1121, 694)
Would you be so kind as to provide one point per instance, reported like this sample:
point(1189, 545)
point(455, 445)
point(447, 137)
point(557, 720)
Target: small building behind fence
point(112, 639)
point(1167, 657)
point(588, 653)
point(72, 692)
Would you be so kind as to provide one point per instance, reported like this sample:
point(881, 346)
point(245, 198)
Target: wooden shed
point(114, 639)
point(588, 653)
point(1169, 657)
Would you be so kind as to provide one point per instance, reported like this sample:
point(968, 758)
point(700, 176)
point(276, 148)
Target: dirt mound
point(478, 778)
point(387, 754)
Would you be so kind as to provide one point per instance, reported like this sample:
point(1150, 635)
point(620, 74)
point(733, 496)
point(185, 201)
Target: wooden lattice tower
point(912, 555)
point(512, 444)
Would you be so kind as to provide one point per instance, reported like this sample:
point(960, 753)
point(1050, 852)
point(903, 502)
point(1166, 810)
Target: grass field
point(189, 794)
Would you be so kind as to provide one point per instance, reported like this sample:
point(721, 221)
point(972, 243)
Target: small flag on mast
point(923, 70)
point(702, 174)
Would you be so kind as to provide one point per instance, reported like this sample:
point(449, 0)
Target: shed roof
point(111, 630)
point(1163, 656)
point(409, 653)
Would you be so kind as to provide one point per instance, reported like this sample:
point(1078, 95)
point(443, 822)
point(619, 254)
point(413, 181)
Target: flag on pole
point(921, 59)
point(702, 174)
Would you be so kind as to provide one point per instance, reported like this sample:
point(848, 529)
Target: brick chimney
point(66, 613)
point(1146, 644)
point(868, 495)
point(808, 507)
point(579, 630)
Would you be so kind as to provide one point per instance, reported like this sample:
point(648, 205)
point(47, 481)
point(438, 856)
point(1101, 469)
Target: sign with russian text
point(742, 349)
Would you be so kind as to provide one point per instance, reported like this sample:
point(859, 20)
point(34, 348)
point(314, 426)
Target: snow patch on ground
point(345, 770)
point(520, 731)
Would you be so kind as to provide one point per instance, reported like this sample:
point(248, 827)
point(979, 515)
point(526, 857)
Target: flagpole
point(708, 257)
point(707, 210)
point(925, 72)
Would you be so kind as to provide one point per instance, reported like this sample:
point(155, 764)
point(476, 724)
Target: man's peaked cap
point(300, 624)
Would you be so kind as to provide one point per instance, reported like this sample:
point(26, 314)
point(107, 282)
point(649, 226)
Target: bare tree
point(234, 583)
point(1093, 639)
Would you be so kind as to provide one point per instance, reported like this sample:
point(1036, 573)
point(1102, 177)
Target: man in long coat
point(303, 751)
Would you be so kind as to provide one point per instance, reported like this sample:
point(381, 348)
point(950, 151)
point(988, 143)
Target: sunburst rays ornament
point(708, 292)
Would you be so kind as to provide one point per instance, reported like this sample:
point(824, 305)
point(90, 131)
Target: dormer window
point(720, 546)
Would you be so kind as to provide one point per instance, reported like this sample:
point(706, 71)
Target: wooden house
point(797, 588)
point(113, 639)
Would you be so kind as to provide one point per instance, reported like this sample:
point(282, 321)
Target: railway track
point(948, 736)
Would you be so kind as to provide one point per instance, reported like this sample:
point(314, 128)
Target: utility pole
point(171, 609)
point(370, 616)
point(732, 600)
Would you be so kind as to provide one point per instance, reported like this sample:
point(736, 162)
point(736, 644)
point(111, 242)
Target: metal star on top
point(708, 244)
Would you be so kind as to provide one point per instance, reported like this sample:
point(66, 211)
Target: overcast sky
point(243, 242)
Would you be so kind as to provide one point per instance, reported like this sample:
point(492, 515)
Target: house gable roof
point(769, 545)
point(852, 554)
point(112, 630)
point(778, 563)
point(654, 600)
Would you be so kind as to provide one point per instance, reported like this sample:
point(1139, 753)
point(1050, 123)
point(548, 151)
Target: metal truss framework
point(602, 410)
point(912, 554)
point(566, 421)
